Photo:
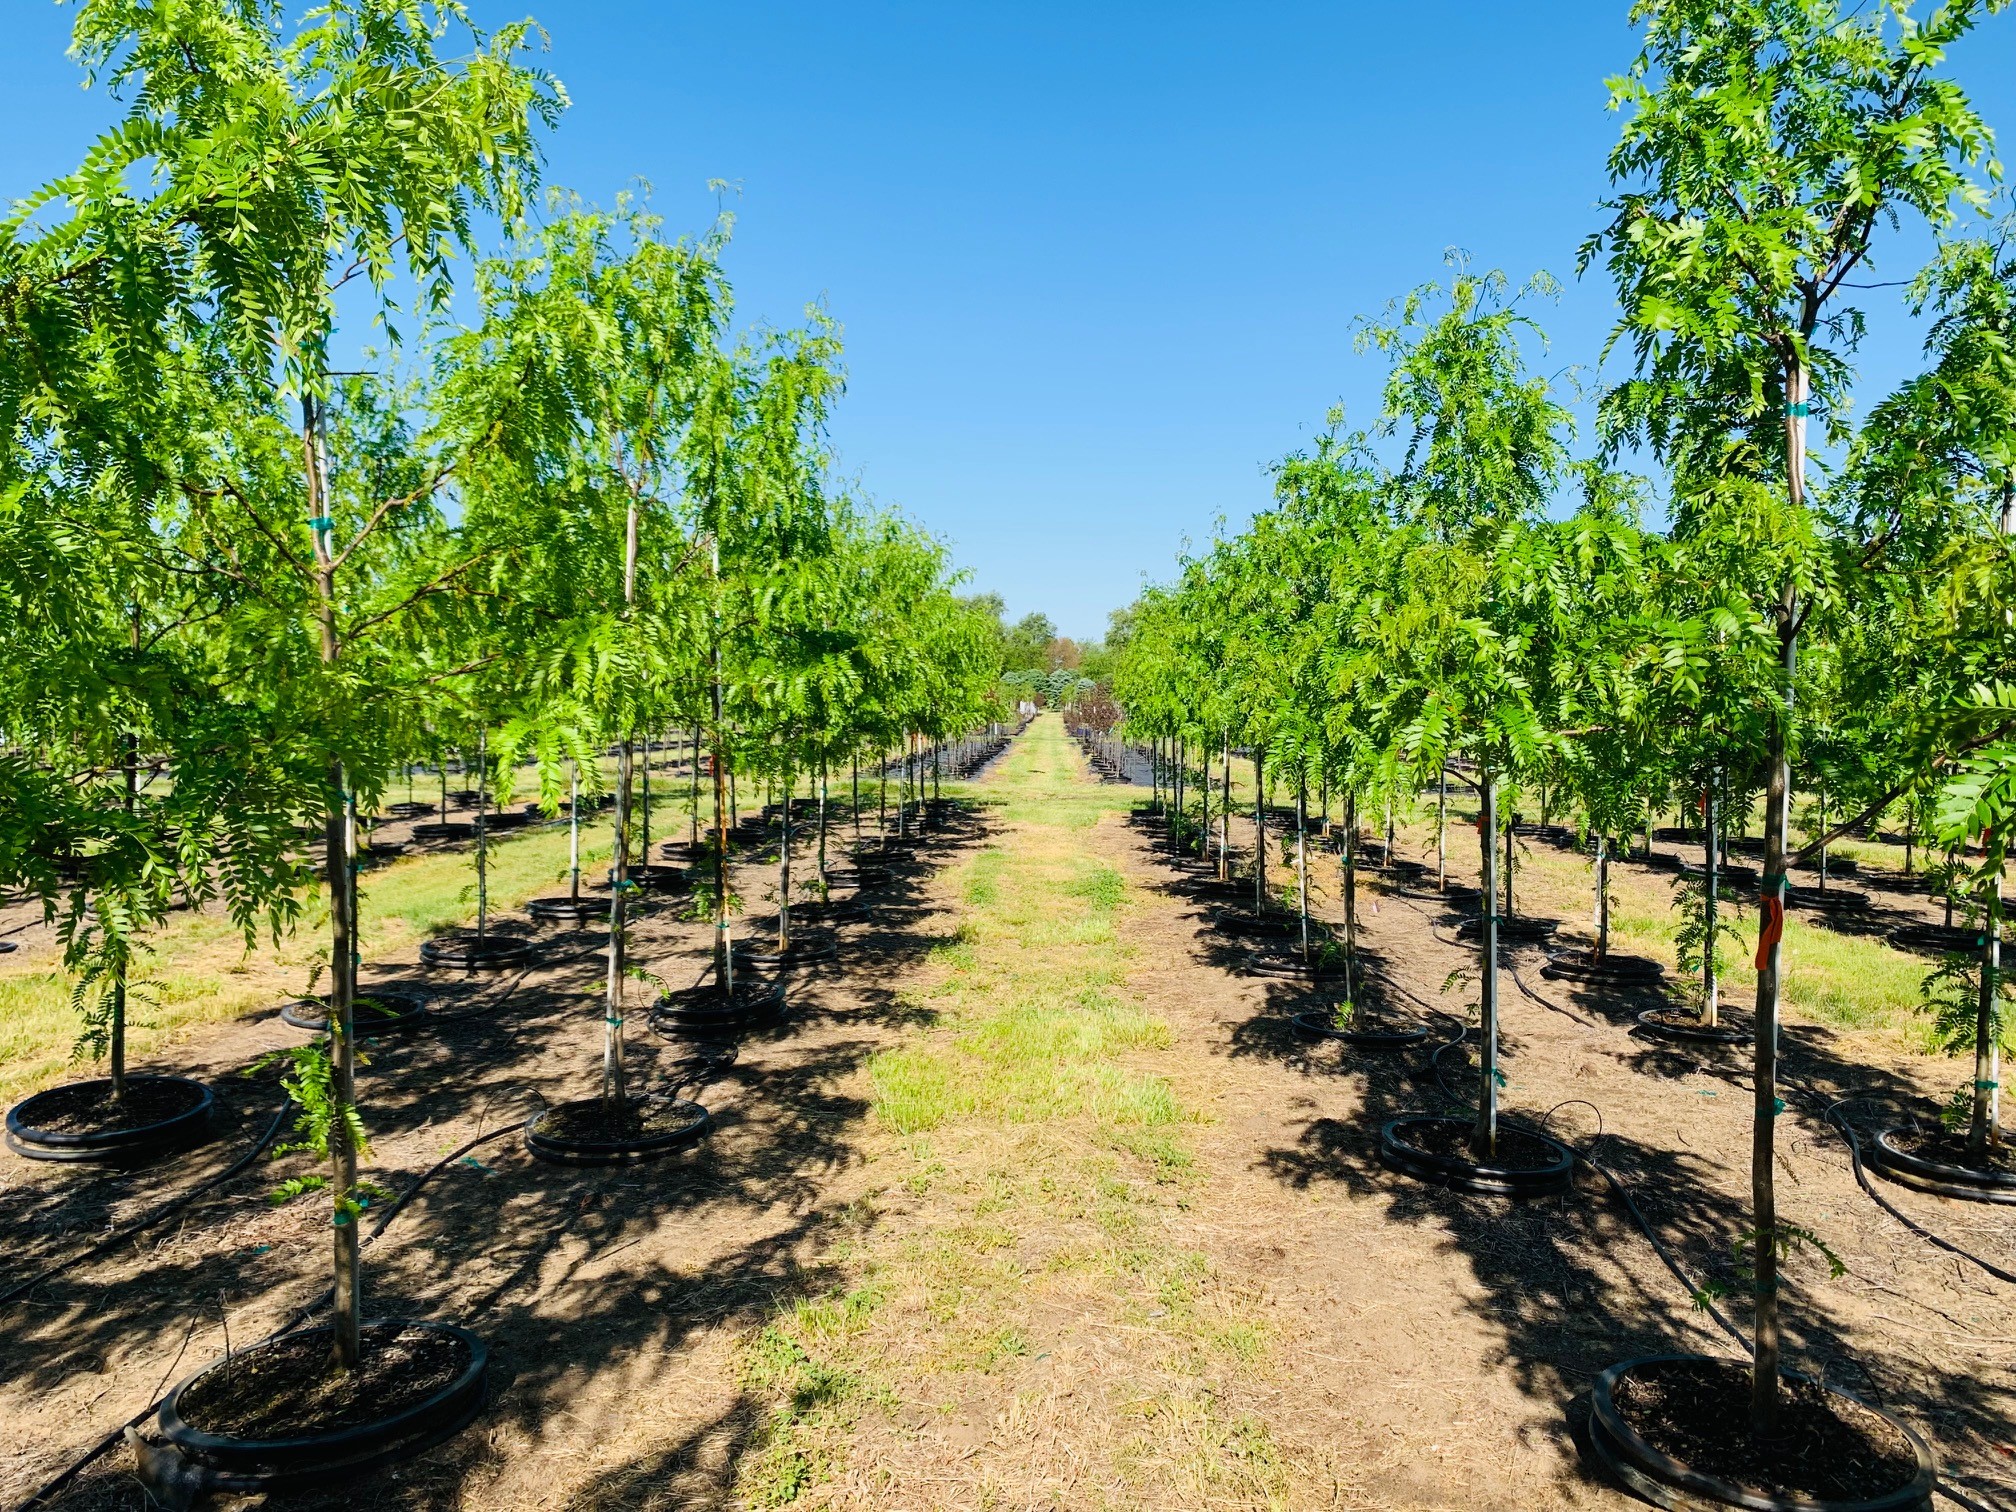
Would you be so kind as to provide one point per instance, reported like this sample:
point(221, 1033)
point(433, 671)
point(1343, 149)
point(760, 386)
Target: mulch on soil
point(1829, 1448)
point(87, 1107)
point(290, 1389)
point(1517, 1150)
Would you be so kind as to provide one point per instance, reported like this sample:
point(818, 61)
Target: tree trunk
point(1259, 830)
point(1602, 897)
point(1484, 1139)
point(1984, 1128)
point(1764, 1385)
point(1225, 817)
point(1711, 986)
point(482, 834)
point(784, 871)
point(346, 1347)
point(1510, 822)
point(615, 1095)
point(1442, 829)
point(1350, 894)
point(1302, 861)
point(724, 962)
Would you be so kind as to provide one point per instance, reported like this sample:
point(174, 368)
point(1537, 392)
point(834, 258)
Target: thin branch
point(378, 515)
point(425, 590)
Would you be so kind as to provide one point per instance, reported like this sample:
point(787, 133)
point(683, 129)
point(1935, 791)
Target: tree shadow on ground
point(549, 1264)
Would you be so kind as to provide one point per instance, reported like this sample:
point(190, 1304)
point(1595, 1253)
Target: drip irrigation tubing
point(61, 1482)
point(160, 1215)
point(704, 1065)
point(1834, 1117)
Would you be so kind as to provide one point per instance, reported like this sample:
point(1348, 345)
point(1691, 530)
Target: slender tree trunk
point(1764, 1385)
point(822, 826)
point(1302, 861)
point(482, 834)
point(1204, 804)
point(784, 871)
point(1350, 895)
point(115, 1049)
point(644, 810)
point(1259, 830)
point(1510, 838)
point(347, 1314)
point(1602, 896)
point(1225, 817)
point(574, 831)
point(615, 1094)
point(1442, 829)
point(1484, 1139)
point(724, 963)
point(1984, 1129)
point(1711, 985)
point(693, 799)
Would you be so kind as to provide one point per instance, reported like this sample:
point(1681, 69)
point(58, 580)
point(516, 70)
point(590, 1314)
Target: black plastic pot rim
point(598, 1152)
point(1399, 1153)
point(167, 1136)
point(574, 909)
point(304, 1451)
point(317, 1021)
point(1578, 966)
point(1316, 1025)
point(1693, 1034)
point(496, 952)
point(1667, 1482)
point(1937, 1176)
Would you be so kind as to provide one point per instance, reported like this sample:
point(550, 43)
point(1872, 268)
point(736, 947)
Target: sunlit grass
point(198, 969)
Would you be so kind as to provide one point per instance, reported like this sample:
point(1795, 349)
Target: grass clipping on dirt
point(1026, 1323)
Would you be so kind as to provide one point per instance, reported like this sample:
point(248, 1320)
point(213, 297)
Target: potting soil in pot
point(1829, 1448)
point(87, 1108)
point(589, 1122)
point(1949, 1147)
point(1517, 1150)
point(286, 1389)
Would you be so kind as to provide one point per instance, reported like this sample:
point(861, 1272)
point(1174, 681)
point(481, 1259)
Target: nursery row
point(249, 586)
point(1823, 651)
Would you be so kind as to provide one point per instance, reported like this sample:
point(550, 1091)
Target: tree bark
point(1484, 1138)
point(615, 1094)
point(1984, 1128)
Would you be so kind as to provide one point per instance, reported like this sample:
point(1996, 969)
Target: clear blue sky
point(1097, 263)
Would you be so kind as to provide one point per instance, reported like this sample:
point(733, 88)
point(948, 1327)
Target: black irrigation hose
point(1834, 1117)
point(160, 1215)
point(1621, 1189)
point(57, 1486)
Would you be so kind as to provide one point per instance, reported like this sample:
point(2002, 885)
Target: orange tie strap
point(1772, 910)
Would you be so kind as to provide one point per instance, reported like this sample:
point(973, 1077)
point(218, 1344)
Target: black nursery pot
point(1672, 1429)
point(582, 1134)
point(1611, 971)
point(1829, 900)
point(1316, 1025)
point(371, 1012)
point(1434, 1148)
point(649, 876)
point(1520, 929)
point(568, 910)
point(1935, 939)
point(467, 951)
point(162, 1115)
point(215, 1444)
point(1889, 1154)
point(444, 830)
point(699, 1012)
point(1680, 1027)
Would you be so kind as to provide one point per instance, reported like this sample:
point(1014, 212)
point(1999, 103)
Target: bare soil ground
point(1135, 1251)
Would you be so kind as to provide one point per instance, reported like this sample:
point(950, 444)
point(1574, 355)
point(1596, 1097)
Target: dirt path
point(1035, 1202)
